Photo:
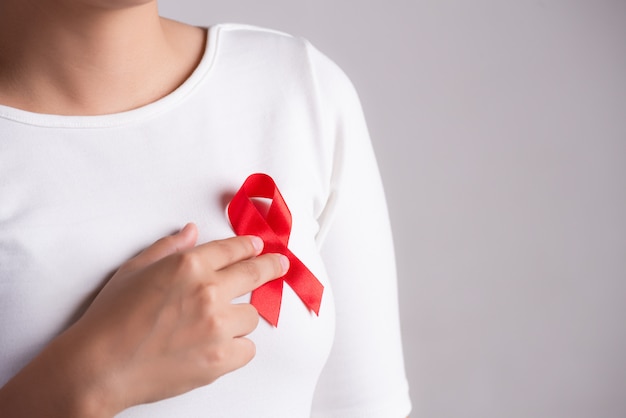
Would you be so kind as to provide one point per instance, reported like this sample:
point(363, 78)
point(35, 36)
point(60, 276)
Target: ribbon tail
point(311, 296)
point(304, 284)
point(267, 300)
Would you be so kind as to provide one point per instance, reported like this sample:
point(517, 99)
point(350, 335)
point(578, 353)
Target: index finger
point(225, 252)
point(247, 275)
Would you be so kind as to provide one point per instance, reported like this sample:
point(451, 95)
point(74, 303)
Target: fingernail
point(257, 243)
point(284, 263)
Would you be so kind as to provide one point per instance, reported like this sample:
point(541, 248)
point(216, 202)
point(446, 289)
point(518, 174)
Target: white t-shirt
point(80, 195)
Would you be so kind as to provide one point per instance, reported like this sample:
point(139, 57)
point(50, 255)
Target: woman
point(118, 126)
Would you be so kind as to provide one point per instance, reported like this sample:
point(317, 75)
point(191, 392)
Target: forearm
point(134, 332)
point(57, 383)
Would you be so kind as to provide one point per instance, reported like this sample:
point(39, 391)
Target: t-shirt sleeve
point(364, 376)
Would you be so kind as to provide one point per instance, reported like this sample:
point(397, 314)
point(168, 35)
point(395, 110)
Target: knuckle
point(216, 324)
point(187, 263)
point(217, 356)
point(251, 270)
point(209, 295)
point(226, 250)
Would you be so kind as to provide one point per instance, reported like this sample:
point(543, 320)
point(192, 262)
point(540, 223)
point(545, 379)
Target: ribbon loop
point(274, 228)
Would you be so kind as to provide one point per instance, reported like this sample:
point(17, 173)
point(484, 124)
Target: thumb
point(183, 240)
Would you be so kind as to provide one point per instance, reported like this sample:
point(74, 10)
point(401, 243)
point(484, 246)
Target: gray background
point(500, 128)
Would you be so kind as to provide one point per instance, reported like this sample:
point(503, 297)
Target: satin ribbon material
point(274, 228)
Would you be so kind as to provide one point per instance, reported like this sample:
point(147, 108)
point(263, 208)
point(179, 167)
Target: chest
point(70, 215)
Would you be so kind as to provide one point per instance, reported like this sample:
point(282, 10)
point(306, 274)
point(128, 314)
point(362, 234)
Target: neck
point(84, 60)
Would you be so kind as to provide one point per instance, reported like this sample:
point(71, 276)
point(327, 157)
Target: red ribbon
point(274, 229)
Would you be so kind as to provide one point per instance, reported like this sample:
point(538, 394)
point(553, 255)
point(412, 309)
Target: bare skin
point(163, 325)
point(93, 57)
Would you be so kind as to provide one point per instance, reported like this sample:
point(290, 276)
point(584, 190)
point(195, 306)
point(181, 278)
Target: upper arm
point(364, 375)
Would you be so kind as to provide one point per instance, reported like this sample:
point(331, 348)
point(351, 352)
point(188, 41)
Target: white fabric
point(80, 195)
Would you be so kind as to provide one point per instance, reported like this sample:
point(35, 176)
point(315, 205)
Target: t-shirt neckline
point(130, 116)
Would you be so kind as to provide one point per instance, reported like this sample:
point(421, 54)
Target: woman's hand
point(164, 324)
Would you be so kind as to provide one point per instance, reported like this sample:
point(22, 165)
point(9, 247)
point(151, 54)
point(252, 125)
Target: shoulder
point(273, 45)
point(285, 55)
point(255, 34)
point(261, 47)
